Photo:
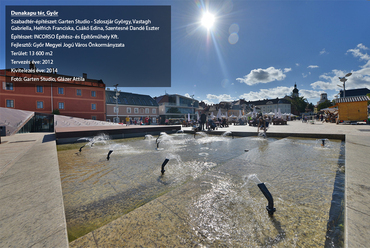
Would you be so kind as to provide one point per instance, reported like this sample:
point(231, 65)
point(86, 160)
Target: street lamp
point(343, 80)
point(116, 97)
point(192, 105)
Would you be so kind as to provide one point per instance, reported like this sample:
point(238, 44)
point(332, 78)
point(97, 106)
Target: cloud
point(310, 94)
point(323, 52)
point(260, 75)
point(208, 102)
point(279, 91)
point(297, 64)
point(304, 75)
point(220, 98)
point(313, 66)
point(287, 70)
point(187, 95)
point(325, 85)
point(356, 52)
point(361, 46)
point(358, 79)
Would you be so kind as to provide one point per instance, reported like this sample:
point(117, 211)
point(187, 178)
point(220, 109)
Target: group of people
point(141, 121)
point(207, 123)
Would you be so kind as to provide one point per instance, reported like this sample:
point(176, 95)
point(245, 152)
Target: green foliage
point(56, 112)
point(299, 104)
point(311, 106)
point(325, 104)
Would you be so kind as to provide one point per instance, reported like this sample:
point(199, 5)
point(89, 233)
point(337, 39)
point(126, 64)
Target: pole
point(344, 87)
point(117, 94)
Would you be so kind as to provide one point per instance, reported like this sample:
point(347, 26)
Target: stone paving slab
point(32, 210)
point(357, 195)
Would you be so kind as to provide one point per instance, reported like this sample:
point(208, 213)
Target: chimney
point(84, 75)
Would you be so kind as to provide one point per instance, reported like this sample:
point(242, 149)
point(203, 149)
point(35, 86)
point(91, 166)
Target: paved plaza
point(32, 203)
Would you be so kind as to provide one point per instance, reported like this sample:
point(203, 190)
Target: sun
point(208, 20)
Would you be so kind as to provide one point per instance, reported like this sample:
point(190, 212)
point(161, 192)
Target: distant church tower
point(295, 91)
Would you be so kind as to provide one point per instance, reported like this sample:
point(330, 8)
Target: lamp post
point(192, 105)
point(343, 80)
point(116, 97)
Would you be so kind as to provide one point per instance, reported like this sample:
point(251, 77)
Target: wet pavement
point(34, 214)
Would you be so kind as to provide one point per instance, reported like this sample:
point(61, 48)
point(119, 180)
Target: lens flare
point(208, 20)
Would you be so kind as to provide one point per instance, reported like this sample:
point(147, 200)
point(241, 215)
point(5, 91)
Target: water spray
point(270, 207)
point(109, 153)
point(164, 164)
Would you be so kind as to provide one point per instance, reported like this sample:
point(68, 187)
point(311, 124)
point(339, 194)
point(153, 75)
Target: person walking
point(203, 119)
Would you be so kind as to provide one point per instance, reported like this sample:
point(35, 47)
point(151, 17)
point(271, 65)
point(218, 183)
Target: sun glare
point(208, 20)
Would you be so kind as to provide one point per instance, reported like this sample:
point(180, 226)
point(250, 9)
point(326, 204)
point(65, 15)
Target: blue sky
point(255, 49)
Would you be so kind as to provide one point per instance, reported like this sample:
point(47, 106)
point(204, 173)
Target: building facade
point(47, 92)
point(177, 107)
point(134, 106)
point(323, 98)
point(270, 105)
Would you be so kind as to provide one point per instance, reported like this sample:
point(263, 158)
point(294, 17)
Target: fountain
point(163, 165)
point(205, 197)
point(228, 133)
point(109, 153)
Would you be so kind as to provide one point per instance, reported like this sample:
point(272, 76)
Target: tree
point(310, 106)
point(323, 105)
point(299, 104)
point(56, 112)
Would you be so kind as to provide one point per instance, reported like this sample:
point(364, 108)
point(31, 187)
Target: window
point(60, 91)
point(10, 103)
point(154, 111)
point(146, 111)
point(9, 86)
point(40, 89)
point(93, 93)
point(78, 92)
point(136, 110)
point(93, 117)
point(93, 106)
point(40, 105)
point(61, 105)
point(129, 110)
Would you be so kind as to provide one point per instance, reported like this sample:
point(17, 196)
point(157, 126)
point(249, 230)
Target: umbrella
point(198, 116)
point(240, 114)
point(279, 113)
point(188, 117)
point(212, 115)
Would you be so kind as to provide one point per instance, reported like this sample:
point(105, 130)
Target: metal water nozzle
point(270, 207)
point(164, 164)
